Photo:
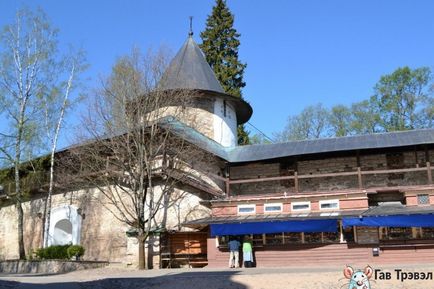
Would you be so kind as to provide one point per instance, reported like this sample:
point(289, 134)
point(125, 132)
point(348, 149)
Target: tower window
point(224, 108)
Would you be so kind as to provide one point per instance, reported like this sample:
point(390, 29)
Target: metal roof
point(384, 210)
point(349, 143)
point(397, 209)
point(249, 153)
point(274, 217)
point(190, 70)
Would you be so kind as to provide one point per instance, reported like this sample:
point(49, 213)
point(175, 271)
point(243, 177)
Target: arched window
point(62, 233)
point(65, 226)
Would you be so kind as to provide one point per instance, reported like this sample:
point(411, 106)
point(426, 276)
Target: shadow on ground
point(184, 280)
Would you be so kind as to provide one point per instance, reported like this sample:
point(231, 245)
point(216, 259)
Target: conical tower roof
point(190, 70)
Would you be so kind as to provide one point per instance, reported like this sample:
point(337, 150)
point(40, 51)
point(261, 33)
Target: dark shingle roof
point(190, 70)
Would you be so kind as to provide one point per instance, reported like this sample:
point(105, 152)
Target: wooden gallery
point(358, 199)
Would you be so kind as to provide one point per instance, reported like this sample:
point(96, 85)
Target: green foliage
point(243, 135)
point(220, 42)
point(75, 251)
point(364, 118)
point(60, 252)
point(53, 252)
point(402, 101)
point(311, 123)
point(340, 120)
point(259, 139)
point(399, 98)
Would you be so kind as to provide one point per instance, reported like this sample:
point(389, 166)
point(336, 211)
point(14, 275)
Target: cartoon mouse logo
point(358, 279)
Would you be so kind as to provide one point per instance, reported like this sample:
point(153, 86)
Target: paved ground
point(254, 278)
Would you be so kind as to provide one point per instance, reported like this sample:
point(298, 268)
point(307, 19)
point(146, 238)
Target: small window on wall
point(423, 199)
point(428, 233)
point(331, 237)
point(300, 206)
point(312, 238)
point(291, 238)
point(258, 240)
point(247, 209)
point(274, 239)
point(273, 208)
point(329, 205)
point(396, 233)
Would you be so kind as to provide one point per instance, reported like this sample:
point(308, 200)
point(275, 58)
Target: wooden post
point(356, 239)
point(227, 182)
point(359, 177)
point(296, 181)
point(428, 168)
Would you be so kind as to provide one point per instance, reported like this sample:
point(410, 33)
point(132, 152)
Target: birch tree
point(26, 68)
point(31, 68)
point(54, 106)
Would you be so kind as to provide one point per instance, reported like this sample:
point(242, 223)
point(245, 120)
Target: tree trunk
point(47, 210)
point(18, 195)
point(150, 254)
point(142, 263)
point(20, 230)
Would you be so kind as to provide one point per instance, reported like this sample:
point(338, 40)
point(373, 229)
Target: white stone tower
point(216, 114)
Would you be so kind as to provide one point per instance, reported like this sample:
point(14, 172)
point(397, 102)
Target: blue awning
point(419, 220)
point(308, 226)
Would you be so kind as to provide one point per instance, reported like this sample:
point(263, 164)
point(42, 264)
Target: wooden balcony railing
point(359, 173)
point(29, 183)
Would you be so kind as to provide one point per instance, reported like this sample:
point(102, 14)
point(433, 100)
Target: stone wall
point(102, 235)
point(46, 267)
point(258, 170)
point(199, 114)
point(367, 162)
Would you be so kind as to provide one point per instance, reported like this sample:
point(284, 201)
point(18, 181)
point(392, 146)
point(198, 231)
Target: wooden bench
point(192, 260)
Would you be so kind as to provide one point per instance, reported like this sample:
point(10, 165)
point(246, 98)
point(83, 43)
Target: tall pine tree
point(220, 41)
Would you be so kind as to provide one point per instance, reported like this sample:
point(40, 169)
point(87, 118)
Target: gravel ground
point(272, 278)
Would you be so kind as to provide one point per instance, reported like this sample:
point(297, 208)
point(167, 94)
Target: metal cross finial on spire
point(191, 27)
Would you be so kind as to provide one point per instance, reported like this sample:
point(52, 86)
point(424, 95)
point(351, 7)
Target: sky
point(298, 53)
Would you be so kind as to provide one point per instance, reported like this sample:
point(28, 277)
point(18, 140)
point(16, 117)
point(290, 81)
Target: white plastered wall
point(225, 126)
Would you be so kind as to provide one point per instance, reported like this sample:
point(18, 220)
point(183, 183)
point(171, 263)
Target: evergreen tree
point(220, 41)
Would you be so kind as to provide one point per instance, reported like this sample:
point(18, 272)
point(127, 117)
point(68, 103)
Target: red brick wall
point(309, 255)
point(224, 211)
point(354, 204)
point(411, 200)
point(230, 209)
